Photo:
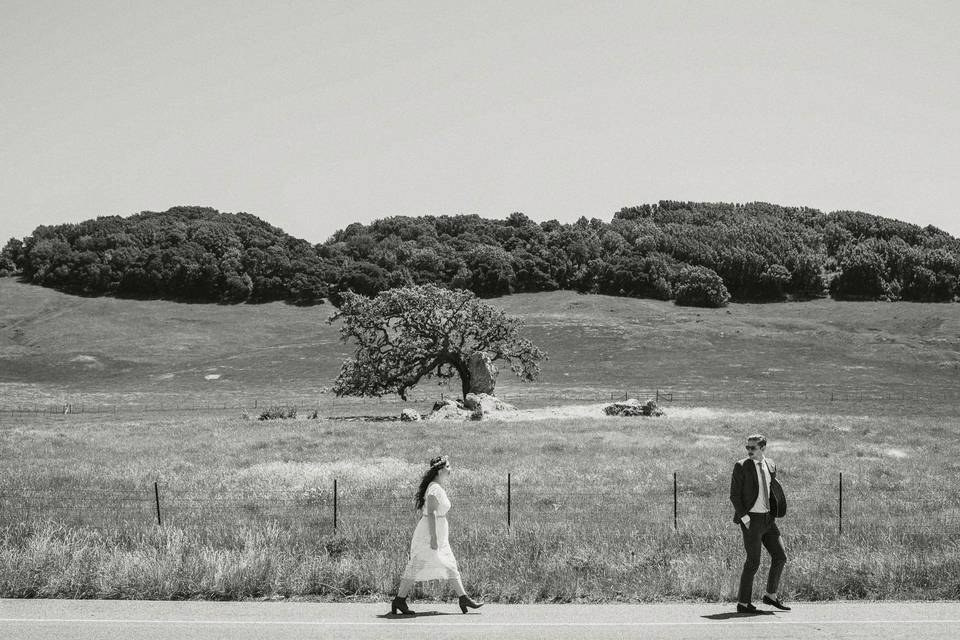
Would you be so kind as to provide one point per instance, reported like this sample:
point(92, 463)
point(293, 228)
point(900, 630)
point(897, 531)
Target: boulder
point(485, 404)
point(449, 410)
point(483, 373)
point(409, 415)
point(474, 407)
point(633, 407)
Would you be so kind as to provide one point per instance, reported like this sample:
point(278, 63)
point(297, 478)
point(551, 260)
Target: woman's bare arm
point(432, 505)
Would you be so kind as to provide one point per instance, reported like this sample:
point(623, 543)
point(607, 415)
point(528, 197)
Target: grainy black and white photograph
point(491, 319)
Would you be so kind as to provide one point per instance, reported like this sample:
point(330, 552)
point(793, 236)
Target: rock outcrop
point(633, 407)
point(483, 373)
point(449, 410)
point(485, 404)
point(476, 406)
point(409, 415)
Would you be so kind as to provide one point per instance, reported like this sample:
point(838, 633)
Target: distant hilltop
point(694, 253)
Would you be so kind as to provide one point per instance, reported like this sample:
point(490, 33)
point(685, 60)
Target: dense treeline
point(694, 253)
point(759, 251)
point(186, 253)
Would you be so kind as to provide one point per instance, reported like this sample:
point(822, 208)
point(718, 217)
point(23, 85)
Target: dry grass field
point(247, 506)
point(870, 390)
point(58, 348)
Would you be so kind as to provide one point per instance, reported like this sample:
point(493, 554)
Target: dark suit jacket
point(745, 487)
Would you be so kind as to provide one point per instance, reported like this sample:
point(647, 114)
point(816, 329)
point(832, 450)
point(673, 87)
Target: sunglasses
point(751, 447)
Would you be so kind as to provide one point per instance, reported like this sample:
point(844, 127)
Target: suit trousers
point(762, 530)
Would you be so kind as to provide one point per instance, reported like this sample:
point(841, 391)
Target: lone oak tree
point(408, 334)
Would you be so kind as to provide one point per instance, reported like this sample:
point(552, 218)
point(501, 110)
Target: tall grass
point(526, 564)
point(247, 507)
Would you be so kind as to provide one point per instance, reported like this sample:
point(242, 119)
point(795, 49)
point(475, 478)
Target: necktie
point(763, 485)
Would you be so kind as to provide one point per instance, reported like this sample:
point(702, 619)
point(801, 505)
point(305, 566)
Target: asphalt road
point(122, 620)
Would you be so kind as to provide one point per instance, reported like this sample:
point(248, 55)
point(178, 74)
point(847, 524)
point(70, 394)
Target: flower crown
point(439, 462)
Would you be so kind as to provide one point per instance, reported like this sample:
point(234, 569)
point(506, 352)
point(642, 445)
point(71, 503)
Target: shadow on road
point(418, 614)
point(736, 614)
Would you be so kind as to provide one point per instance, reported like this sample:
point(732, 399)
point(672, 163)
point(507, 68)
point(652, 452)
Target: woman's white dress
point(426, 563)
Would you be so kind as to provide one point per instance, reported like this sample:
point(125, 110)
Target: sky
point(313, 115)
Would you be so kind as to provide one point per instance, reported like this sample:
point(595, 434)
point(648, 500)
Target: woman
point(430, 555)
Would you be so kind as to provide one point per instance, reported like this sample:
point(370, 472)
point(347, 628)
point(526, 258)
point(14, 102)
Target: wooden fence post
point(840, 518)
point(156, 497)
point(509, 500)
point(674, 500)
point(334, 504)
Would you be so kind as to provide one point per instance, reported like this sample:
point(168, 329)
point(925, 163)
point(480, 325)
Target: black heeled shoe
point(400, 604)
point(465, 602)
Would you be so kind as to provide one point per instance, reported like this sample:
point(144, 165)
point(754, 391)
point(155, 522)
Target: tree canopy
point(415, 333)
point(701, 287)
point(760, 251)
point(185, 253)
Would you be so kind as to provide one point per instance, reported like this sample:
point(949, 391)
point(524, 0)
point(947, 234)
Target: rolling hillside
point(55, 346)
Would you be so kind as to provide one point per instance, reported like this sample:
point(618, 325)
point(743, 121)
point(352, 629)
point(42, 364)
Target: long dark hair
point(436, 464)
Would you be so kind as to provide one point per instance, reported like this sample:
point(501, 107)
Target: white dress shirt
point(759, 506)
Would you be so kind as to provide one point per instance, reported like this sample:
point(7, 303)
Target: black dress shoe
point(746, 608)
point(467, 601)
point(400, 604)
point(775, 603)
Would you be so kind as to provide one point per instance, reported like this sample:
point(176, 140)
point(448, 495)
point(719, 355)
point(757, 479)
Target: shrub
point(632, 275)
point(700, 287)
point(775, 280)
point(279, 413)
point(864, 275)
point(9, 257)
point(807, 274)
point(925, 285)
point(488, 272)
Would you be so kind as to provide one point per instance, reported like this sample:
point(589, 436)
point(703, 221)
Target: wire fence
point(837, 505)
point(327, 404)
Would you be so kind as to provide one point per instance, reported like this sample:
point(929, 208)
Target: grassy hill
point(55, 346)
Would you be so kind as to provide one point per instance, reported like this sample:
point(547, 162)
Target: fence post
point(840, 519)
point(509, 500)
point(658, 396)
point(156, 497)
point(334, 504)
point(674, 500)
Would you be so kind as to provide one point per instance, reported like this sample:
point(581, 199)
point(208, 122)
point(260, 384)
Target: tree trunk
point(464, 372)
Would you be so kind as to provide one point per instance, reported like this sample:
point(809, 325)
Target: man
point(755, 511)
